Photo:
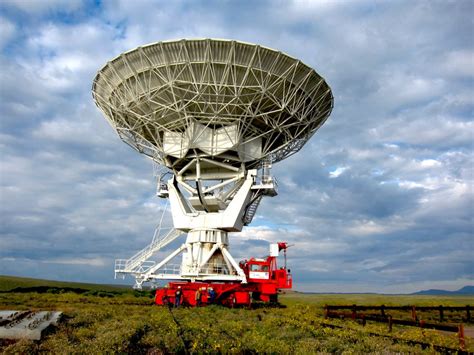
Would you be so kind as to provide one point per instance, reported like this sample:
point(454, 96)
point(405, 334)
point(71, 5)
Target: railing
point(136, 262)
point(334, 311)
point(441, 310)
point(170, 269)
point(264, 182)
point(121, 266)
point(214, 268)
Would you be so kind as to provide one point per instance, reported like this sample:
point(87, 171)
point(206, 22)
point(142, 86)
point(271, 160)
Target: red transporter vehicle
point(264, 280)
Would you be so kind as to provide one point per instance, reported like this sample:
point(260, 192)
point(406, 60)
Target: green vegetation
point(129, 322)
point(8, 283)
point(376, 299)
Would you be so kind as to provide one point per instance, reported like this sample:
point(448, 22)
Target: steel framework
point(234, 101)
point(212, 112)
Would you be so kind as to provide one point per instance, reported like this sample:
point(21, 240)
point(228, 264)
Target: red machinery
point(264, 279)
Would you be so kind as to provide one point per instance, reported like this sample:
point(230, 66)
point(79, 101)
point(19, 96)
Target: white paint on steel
point(261, 275)
point(210, 112)
point(230, 100)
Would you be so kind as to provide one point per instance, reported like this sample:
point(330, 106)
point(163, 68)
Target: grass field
point(8, 283)
point(129, 322)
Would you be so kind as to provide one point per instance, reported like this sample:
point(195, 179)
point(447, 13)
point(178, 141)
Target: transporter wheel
point(256, 296)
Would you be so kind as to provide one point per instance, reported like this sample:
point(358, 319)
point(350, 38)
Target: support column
point(203, 256)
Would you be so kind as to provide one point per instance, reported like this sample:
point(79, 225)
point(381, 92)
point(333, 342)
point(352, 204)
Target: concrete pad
point(26, 324)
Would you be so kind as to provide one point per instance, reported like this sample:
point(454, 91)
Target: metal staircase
point(264, 186)
point(252, 208)
point(139, 263)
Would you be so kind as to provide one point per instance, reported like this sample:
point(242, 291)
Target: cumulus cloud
point(460, 63)
point(338, 171)
point(381, 198)
point(7, 31)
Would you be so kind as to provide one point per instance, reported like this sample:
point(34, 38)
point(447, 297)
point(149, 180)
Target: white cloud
point(337, 172)
point(35, 7)
point(406, 89)
point(69, 130)
point(7, 31)
point(77, 261)
point(370, 227)
point(460, 63)
point(413, 185)
point(430, 163)
point(427, 130)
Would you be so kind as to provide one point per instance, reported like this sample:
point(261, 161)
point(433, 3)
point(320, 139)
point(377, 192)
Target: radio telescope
point(214, 114)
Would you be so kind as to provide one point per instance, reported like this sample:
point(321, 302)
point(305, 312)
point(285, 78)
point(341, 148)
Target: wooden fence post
point(413, 314)
point(462, 342)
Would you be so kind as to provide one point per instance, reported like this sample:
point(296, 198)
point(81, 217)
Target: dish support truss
point(208, 200)
point(235, 101)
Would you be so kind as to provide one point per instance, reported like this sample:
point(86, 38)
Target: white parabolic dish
point(233, 102)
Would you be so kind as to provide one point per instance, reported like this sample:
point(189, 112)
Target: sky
point(379, 200)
